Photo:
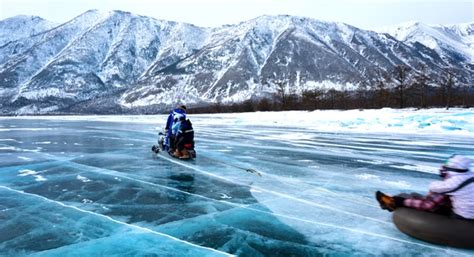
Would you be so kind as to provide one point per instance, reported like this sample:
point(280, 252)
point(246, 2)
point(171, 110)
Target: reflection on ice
point(94, 188)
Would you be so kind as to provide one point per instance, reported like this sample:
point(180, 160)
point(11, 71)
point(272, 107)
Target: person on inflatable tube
point(453, 195)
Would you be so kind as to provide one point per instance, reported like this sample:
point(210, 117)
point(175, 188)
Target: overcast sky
point(367, 14)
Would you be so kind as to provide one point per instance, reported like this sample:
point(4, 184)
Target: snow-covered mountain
point(238, 59)
point(112, 62)
point(456, 41)
point(22, 26)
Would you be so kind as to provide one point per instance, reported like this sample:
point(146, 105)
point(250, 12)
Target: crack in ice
point(116, 221)
point(310, 203)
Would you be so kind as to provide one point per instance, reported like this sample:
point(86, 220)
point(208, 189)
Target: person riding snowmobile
point(184, 139)
point(173, 132)
point(179, 110)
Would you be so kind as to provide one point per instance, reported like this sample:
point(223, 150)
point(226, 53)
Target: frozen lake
point(90, 186)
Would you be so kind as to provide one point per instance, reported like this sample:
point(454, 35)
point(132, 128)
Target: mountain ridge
point(120, 61)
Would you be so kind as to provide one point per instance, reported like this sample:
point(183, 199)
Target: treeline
point(401, 88)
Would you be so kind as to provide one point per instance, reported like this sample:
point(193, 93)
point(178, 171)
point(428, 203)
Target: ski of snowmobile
point(157, 150)
point(160, 148)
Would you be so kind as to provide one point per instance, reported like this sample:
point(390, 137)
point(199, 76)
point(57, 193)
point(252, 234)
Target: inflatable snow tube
point(435, 228)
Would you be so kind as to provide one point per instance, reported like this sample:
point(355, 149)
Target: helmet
point(458, 163)
point(455, 163)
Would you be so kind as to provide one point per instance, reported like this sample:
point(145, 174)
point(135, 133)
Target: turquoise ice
point(91, 186)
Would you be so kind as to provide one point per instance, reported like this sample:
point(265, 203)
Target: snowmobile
point(163, 147)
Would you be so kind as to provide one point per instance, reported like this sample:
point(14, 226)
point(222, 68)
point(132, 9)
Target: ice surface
point(90, 186)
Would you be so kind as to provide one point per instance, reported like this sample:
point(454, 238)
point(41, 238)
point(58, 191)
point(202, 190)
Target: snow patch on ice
point(40, 178)
point(83, 179)
point(26, 172)
point(375, 162)
point(24, 158)
point(8, 139)
point(400, 184)
point(8, 148)
point(42, 143)
point(86, 201)
point(224, 196)
point(23, 129)
point(376, 180)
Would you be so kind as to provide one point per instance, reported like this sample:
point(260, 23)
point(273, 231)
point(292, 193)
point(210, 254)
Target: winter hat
point(458, 163)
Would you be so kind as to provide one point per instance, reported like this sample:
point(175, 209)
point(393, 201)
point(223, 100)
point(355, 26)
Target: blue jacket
point(175, 127)
point(173, 113)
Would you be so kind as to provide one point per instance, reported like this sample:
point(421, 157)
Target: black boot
point(399, 201)
point(386, 202)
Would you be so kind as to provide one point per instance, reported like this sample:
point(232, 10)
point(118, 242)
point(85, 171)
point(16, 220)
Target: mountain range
point(119, 62)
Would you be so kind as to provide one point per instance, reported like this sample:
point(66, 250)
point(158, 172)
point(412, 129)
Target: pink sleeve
point(419, 204)
point(428, 203)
